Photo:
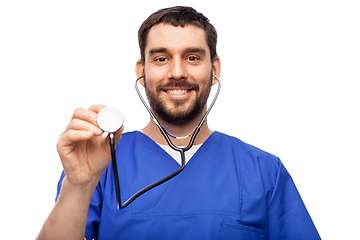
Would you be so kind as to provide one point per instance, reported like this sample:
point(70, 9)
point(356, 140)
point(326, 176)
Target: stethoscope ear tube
point(167, 138)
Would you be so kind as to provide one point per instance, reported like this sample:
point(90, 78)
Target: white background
point(290, 74)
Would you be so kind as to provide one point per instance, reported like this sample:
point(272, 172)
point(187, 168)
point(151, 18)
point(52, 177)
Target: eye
point(192, 58)
point(161, 59)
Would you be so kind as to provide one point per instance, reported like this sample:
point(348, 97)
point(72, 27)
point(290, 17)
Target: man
point(228, 190)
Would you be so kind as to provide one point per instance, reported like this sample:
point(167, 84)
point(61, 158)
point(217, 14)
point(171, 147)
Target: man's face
point(178, 72)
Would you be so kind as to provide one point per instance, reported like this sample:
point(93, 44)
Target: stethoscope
point(110, 120)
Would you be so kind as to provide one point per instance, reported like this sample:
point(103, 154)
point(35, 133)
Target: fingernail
point(105, 134)
point(98, 131)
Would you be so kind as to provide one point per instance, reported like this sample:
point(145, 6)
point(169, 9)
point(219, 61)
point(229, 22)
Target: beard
point(178, 115)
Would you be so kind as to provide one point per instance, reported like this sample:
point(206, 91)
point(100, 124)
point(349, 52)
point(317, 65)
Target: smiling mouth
point(178, 92)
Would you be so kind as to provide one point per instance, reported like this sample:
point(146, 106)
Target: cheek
point(203, 79)
point(200, 73)
point(153, 77)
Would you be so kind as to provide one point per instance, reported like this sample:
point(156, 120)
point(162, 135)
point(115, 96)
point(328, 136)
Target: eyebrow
point(195, 50)
point(157, 50)
point(187, 50)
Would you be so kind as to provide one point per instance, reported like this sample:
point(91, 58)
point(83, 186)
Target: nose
point(177, 69)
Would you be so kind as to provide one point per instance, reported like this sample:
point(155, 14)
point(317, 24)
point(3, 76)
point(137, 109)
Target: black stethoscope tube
point(164, 133)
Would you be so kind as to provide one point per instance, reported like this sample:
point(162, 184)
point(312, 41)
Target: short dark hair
point(178, 16)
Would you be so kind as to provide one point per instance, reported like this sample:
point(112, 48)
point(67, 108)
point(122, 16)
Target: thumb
point(117, 135)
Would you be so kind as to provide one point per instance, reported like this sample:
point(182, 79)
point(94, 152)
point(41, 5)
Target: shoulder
point(132, 135)
point(133, 138)
point(253, 160)
point(246, 150)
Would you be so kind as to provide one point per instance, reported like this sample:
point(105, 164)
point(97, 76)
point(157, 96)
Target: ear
point(140, 71)
point(216, 67)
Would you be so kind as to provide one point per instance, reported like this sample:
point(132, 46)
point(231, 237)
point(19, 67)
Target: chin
point(180, 116)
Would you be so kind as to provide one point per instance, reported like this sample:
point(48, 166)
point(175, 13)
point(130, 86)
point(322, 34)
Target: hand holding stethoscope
point(84, 153)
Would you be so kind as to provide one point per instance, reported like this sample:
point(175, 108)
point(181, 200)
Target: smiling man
point(178, 75)
point(228, 189)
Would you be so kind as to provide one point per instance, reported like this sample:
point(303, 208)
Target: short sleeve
point(93, 218)
point(288, 216)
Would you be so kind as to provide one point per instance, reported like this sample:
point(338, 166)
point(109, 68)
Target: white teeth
point(177, 92)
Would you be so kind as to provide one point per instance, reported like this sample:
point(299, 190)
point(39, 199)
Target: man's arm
point(288, 216)
point(68, 218)
point(84, 154)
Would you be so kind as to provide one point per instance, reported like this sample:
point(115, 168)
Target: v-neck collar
point(153, 143)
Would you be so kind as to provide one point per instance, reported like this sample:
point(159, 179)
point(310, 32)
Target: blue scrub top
point(228, 190)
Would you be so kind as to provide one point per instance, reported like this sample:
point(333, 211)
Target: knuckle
point(67, 134)
point(77, 111)
point(72, 124)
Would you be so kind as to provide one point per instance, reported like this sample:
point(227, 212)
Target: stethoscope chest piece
point(110, 119)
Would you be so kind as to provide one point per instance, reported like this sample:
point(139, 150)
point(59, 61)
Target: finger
point(72, 136)
point(117, 135)
point(96, 108)
point(82, 125)
point(86, 115)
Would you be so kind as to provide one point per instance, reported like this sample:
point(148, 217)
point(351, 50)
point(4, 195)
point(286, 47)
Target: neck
point(152, 131)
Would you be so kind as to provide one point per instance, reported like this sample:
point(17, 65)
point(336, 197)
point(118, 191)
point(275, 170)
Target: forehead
point(176, 38)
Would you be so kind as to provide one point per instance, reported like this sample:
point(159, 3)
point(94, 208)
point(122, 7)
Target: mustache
point(182, 84)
